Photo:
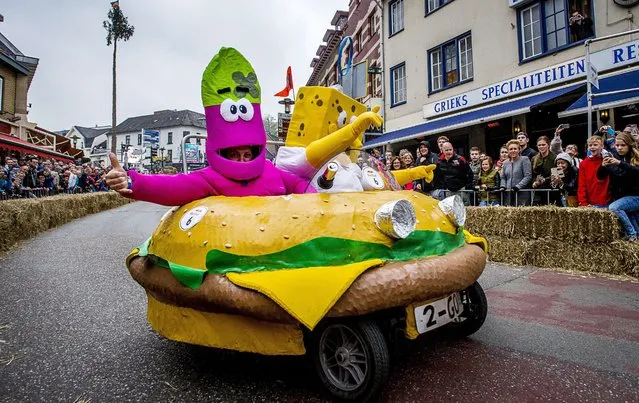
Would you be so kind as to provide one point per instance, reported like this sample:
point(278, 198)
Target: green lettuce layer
point(325, 251)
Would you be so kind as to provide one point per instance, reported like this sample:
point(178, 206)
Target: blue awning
point(612, 83)
point(473, 117)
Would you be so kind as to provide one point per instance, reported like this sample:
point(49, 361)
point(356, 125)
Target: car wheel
point(351, 359)
point(475, 310)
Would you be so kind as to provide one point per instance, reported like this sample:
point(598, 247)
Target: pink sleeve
point(295, 184)
point(171, 190)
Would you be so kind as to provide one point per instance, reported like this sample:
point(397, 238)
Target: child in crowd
point(488, 181)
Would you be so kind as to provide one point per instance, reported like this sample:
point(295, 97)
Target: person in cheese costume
point(326, 123)
point(235, 145)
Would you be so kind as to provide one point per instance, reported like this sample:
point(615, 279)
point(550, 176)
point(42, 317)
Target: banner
point(192, 153)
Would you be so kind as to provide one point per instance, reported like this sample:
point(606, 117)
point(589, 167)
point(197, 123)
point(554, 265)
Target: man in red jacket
point(593, 192)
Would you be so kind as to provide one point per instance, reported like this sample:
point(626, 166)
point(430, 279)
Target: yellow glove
point(322, 150)
point(404, 176)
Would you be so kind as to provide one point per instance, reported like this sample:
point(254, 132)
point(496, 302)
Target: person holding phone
point(623, 171)
point(564, 178)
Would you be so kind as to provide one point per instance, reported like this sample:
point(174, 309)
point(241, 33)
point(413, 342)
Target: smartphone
point(558, 172)
point(565, 125)
point(605, 153)
point(611, 131)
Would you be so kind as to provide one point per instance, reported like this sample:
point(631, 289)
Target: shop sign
point(607, 59)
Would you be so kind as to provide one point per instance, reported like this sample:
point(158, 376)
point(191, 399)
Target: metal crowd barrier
point(471, 197)
point(37, 193)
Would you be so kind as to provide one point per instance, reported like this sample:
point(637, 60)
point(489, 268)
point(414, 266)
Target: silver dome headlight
point(397, 219)
point(454, 209)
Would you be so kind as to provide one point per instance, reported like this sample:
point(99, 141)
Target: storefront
point(9, 145)
point(535, 102)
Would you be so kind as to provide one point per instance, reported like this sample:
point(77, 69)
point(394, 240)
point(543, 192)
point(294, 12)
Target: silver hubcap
point(343, 357)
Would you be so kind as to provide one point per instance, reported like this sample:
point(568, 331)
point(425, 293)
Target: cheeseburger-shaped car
point(333, 274)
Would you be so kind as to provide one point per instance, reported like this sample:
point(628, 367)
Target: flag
point(289, 84)
point(115, 4)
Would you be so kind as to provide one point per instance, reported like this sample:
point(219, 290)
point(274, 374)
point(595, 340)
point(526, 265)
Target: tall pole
point(113, 108)
point(589, 87)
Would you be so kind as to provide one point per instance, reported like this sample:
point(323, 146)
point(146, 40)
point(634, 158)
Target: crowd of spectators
point(608, 176)
point(31, 176)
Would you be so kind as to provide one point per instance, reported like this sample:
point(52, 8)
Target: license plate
point(438, 313)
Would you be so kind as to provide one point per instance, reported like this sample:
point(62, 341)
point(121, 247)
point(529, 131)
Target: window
point(360, 41)
point(451, 63)
point(398, 85)
point(128, 139)
point(1, 92)
point(371, 25)
point(169, 138)
point(548, 25)
point(432, 5)
point(396, 17)
point(169, 155)
point(139, 139)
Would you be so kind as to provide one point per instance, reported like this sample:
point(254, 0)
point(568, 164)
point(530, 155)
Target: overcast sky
point(161, 66)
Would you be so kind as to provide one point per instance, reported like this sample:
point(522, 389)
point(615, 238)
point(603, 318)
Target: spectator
point(5, 183)
point(542, 164)
point(452, 174)
point(377, 153)
point(633, 131)
point(407, 159)
point(503, 156)
point(397, 164)
point(388, 156)
point(487, 183)
point(573, 151)
point(30, 176)
point(593, 191)
point(475, 163)
point(526, 151)
point(580, 26)
point(440, 142)
point(564, 178)
point(516, 174)
point(623, 171)
point(425, 158)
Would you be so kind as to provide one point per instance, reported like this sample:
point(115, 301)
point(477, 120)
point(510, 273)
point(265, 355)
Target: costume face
point(231, 98)
point(318, 112)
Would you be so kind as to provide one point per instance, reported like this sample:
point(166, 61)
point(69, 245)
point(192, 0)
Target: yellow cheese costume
point(324, 124)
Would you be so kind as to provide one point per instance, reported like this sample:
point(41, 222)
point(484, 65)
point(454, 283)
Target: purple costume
point(231, 97)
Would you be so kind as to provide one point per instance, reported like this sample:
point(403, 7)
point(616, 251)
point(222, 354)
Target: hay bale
point(24, 218)
point(548, 222)
point(612, 257)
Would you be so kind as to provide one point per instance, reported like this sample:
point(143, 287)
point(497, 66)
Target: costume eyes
point(246, 109)
point(229, 110)
point(341, 119)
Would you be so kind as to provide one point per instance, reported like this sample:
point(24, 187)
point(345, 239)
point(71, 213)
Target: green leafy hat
point(229, 75)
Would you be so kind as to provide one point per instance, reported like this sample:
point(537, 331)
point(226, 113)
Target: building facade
point(481, 71)
point(324, 65)
point(18, 136)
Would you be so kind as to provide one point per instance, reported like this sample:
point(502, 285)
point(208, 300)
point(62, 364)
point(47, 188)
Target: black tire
point(351, 359)
point(475, 310)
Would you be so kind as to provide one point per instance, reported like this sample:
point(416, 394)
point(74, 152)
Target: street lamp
point(162, 156)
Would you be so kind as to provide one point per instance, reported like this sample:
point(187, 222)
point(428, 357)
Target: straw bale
point(612, 257)
point(21, 219)
point(578, 224)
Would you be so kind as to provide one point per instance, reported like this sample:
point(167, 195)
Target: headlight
point(454, 209)
point(397, 219)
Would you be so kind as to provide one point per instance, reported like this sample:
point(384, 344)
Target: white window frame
point(531, 23)
point(396, 15)
point(399, 84)
point(1, 93)
point(465, 69)
point(437, 58)
point(433, 5)
point(436, 70)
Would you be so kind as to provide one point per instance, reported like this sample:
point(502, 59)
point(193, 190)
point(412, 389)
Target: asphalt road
point(73, 328)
